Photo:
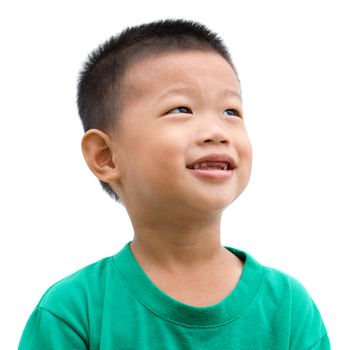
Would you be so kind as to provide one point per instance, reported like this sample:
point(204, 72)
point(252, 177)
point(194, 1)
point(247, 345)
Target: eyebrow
point(224, 92)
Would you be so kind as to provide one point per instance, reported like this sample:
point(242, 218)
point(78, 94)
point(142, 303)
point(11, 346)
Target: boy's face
point(158, 142)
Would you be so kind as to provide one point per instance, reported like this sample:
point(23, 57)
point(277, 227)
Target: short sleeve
point(45, 331)
point(322, 344)
point(307, 329)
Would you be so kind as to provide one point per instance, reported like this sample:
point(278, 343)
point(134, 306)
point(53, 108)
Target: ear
point(98, 153)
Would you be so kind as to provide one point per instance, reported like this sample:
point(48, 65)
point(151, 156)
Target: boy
point(164, 133)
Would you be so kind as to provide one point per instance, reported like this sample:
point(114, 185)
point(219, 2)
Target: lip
point(217, 174)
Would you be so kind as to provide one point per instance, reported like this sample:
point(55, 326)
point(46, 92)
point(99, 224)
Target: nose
point(216, 139)
point(215, 132)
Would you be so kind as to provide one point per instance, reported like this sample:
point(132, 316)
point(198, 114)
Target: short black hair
point(99, 95)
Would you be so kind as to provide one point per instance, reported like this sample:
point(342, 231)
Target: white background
point(293, 58)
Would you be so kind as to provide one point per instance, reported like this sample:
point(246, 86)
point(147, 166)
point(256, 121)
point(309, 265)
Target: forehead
point(182, 70)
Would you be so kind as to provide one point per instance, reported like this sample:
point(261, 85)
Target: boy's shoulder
point(281, 293)
point(279, 286)
point(280, 282)
point(270, 277)
point(75, 287)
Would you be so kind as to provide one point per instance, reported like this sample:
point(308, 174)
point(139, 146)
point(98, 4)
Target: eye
point(180, 109)
point(233, 112)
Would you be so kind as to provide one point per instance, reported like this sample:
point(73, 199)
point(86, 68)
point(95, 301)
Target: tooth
point(211, 165)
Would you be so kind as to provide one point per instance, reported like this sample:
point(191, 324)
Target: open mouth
point(211, 165)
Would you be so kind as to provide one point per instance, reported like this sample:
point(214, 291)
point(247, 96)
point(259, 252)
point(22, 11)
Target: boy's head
point(134, 142)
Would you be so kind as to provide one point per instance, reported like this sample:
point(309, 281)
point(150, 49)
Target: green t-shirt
point(112, 304)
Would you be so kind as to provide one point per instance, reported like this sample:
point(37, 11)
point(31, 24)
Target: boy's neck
point(186, 259)
point(181, 246)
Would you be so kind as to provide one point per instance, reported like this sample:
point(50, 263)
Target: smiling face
point(181, 145)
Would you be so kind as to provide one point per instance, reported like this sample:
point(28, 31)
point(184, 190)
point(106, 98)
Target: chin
point(215, 202)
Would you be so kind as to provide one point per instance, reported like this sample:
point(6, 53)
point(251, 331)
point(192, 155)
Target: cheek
point(168, 146)
point(157, 156)
point(247, 150)
point(246, 158)
point(243, 145)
